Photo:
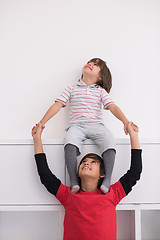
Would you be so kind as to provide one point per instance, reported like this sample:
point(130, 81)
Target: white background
point(44, 45)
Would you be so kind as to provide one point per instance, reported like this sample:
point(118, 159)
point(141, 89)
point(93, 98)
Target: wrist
point(125, 122)
point(42, 122)
point(37, 136)
point(37, 139)
point(133, 136)
point(134, 142)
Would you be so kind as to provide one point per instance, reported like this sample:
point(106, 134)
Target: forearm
point(51, 112)
point(134, 139)
point(117, 112)
point(38, 148)
point(133, 174)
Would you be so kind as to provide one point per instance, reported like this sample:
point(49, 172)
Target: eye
point(94, 162)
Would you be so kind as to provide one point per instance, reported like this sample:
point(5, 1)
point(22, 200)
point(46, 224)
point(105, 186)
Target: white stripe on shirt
point(85, 102)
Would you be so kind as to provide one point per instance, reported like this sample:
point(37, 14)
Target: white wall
point(44, 45)
point(20, 183)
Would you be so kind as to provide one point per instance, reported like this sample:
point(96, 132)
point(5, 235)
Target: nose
point(86, 163)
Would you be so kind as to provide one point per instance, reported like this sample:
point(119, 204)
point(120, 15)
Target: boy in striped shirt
point(86, 98)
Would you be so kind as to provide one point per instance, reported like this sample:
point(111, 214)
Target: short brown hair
point(105, 74)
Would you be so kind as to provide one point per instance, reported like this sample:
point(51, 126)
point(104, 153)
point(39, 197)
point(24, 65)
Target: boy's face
point(91, 69)
point(89, 168)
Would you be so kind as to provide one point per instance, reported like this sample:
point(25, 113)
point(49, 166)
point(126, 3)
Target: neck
point(88, 185)
point(88, 80)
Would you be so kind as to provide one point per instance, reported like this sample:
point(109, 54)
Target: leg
point(73, 142)
point(71, 153)
point(109, 159)
point(103, 138)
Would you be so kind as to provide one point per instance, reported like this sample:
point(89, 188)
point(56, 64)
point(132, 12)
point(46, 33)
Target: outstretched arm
point(48, 179)
point(48, 115)
point(133, 174)
point(134, 139)
point(38, 148)
point(51, 112)
point(117, 112)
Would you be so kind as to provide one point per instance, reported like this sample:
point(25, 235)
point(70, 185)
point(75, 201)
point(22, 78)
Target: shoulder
point(62, 193)
point(102, 90)
point(71, 86)
point(118, 191)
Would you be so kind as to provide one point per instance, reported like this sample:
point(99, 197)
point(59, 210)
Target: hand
point(35, 128)
point(133, 133)
point(132, 129)
point(38, 148)
point(125, 128)
point(38, 132)
point(135, 127)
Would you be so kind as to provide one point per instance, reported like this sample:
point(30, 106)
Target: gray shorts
point(76, 134)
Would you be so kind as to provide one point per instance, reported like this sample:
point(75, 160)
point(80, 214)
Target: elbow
point(138, 177)
point(43, 181)
point(138, 174)
point(112, 107)
point(140, 171)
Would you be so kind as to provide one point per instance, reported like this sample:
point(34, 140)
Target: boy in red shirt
point(90, 214)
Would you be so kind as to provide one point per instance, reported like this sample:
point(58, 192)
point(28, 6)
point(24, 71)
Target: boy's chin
point(87, 175)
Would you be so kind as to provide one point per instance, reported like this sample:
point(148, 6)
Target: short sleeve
point(62, 194)
point(119, 192)
point(65, 96)
point(105, 98)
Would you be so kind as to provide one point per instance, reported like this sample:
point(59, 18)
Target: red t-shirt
point(90, 215)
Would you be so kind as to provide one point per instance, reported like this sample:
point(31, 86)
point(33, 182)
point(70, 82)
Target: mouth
point(89, 67)
point(86, 168)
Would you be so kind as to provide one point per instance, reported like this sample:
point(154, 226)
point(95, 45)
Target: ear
point(102, 176)
point(99, 79)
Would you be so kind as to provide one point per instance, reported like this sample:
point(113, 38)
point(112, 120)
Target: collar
point(98, 191)
point(81, 83)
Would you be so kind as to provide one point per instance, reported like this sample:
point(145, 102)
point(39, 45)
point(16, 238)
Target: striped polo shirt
point(86, 102)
